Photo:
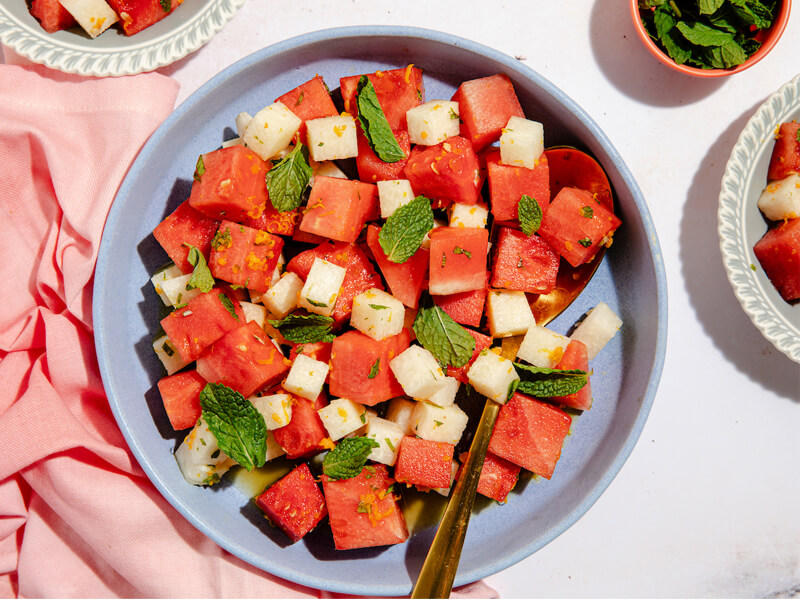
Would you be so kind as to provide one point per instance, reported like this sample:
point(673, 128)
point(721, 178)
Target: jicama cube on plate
point(275, 408)
point(168, 355)
point(433, 122)
point(392, 194)
point(418, 372)
point(94, 16)
point(781, 199)
point(492, 375)
point(468, 215)
point(322, 286)
point(377, 314)
point(271, 130)
point(542, 347)
point(388, 435)
point(439, 424)
point(342, 416)
point(200, 460)
point(521, 143)
point(306, 377)
point(332, 138)
point(281, 298)
point(508, 313)
point(597, 328)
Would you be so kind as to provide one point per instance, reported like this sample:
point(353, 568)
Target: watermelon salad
point(778, 251)
point(340, 322)
point(96, 16)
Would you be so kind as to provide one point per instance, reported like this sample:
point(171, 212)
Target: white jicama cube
point(492, 375)
point(399, 413)
point(508, 313)
point(417, 372)
point(168, 355)
point(447, 394)
point(781, 199)
point(94, 16)
point(199, 458)
point(271, 130)
point(542, 347)
point(521, 143)
point(275, 408)
point(342, 416)
point(321, 288)
point(392, 194)
point(597, 328)
point(237, 141)
point(242, 121)
point(454, 466)
point(388, 435)
point(254, 312)
point(439, 424)
point(162, 276)
point(332, 138)
point(176, 292)
point(433, 122)
point(468, 215)
point(377, 314)
point(306, 377)
point(325, 168)
point(281, 298)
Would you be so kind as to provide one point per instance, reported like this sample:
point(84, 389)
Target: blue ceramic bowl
point(126, 311)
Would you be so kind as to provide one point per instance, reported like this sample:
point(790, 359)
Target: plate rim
point(737, 254)
point(41, 47)
point(656, 256)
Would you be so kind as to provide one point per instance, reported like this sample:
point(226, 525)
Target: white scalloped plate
point(741, 225)
point(189, 26)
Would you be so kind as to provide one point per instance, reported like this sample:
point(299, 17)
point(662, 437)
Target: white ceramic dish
point(126, 313)
point(113, 53)
point(741, 224)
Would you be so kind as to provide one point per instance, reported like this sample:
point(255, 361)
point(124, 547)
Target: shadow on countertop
point(628, 66)
point(709, 290)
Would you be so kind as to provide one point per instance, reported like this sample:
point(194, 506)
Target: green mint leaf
point(664, 21)
point(585, 242)
point(317, 304)
point(798, 135)
point(403, 232)
point(305, 329)
point(378, 306)
point(530, 215)
point(512, 387)
point(460, 250)
point(376, 368)
point(440, 335)
point(166, 5)
point(199, 169)
point(288, 179)
point(348, 458)
point(239, 428)
point(587, 211)
point(753, 12)
point(201, 278)
point(222, 239)
point(374, 124)
point(547, 383)
point(391, 447)
point(228, 304)
point(732, 54)
point(709, 7)
point(703, 35)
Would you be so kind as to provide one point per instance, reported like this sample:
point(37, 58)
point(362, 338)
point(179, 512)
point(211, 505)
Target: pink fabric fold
point(78, 518)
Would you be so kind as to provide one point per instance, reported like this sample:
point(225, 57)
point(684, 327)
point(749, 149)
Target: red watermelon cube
point(353, 358)
point(185, 227)
point(398, 90)
point(575, 224)
point(320, 351)
point(524, 263)
point(465, 307)
point(405, 280)
point(530, 433)
point(508, 183)
point(364, 511)
point(445, 173)
point(371, 168)
point(52, 16)
point(305, 435)
point(229, 184)
point(294, 503)
point(485, 105)
point(204, 320)
point(576, 356)
point(785, 157)
point(181, 396)
point(283, 223)
point(498, 476)
point(338, 208)
point(457, 260)
point(136, 15)
point(779, 254)
point(244, 256)
point(245, 359)
point(424, 462)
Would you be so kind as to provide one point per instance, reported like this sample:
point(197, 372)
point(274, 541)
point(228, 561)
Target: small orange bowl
point(767, 37)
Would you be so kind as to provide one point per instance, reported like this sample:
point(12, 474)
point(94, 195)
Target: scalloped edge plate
point(113, 53)
point(631, 279)
point(741, 225)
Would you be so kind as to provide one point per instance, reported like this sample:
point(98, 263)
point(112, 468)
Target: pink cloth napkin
point(78, 517)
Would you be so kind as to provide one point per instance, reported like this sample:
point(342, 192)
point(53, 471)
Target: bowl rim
point(493, 565)
point(774, 35)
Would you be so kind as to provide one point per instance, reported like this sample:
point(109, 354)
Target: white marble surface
point(708, 504)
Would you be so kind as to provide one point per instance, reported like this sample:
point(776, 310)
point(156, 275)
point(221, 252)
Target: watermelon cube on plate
point(245, 359)
point(294, 503)
point(445, 173)
point(305, 435)
point(498, 476)
point(785, 157)
point(465, 307)
point(424, 462)
point(398, 90)
point(182, 228)
point(52, 15)
point(181, 396)
point(140, 14)
point(406, 280)
point(338, 208)
point(364, 511)
point(576, 224)
point(530, 434)
point(244, 256)
point(508, 183)
point(485, 106)
point(576, 356)
point(457, 260)
point(522, 262)
point(372, 169)
point(778, 252)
